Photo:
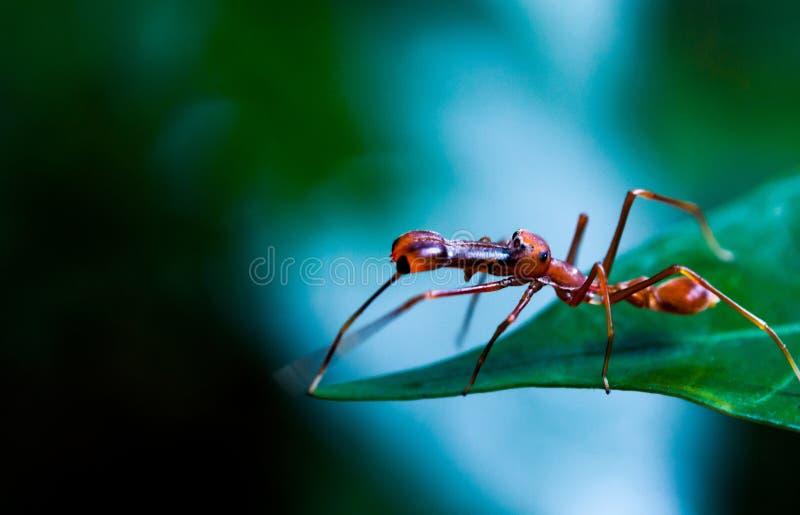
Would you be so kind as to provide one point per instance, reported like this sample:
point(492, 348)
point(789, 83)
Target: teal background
point(151, 151)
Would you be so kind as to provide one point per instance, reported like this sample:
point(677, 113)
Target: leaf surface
point(716, 358)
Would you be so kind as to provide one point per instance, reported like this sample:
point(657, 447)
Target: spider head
point(530, 254)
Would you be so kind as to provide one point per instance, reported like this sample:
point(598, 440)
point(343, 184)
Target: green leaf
point(715, 358)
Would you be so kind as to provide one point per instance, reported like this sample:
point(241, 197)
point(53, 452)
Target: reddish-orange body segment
point(525, 259)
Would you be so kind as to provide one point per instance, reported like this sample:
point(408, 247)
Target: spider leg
point(526, 297)
point(660, 302)
point(693, 209)
point(580, 295)
point(572, 255)
point(432, 294)
point(462, 333)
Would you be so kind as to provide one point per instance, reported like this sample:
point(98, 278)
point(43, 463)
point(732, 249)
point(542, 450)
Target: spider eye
point(543, 256)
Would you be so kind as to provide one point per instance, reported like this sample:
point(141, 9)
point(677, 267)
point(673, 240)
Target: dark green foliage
point(716, 358)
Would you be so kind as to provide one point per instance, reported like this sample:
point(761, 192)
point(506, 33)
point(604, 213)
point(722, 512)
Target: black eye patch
point(403, 266)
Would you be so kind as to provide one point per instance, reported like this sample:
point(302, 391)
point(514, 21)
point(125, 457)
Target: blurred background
point(153, 152)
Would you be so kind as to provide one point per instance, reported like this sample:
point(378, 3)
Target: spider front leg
point(344, 329)
point(432, 294)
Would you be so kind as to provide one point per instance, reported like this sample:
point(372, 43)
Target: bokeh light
point(153, 151)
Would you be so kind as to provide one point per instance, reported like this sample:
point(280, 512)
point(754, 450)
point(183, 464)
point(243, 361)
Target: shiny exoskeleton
point(526, 260)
